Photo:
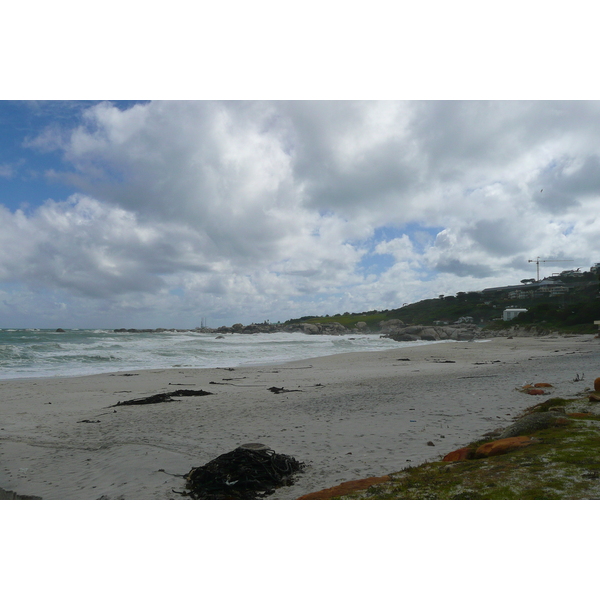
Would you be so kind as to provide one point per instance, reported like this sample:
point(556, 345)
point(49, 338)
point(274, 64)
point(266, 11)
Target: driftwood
point(243, 474)
point(164, 397)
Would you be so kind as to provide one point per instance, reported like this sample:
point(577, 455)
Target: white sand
point(355, 415)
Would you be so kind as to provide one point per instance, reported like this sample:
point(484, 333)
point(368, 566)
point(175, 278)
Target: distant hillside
point(573, 307)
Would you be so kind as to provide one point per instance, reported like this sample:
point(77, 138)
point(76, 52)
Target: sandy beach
point(348, 416)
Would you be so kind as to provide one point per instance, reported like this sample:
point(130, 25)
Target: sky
point(281, 163)
point(167, 213)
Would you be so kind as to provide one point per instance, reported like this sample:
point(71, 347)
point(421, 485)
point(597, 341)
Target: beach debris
point(164, 397)
point(578, 378)
point(249, 472)
point(281, 390)
point(88, 421)
point(597, 384)
point(430, 444)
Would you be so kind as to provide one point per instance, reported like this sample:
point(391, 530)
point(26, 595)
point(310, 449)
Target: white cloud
point(266, 209)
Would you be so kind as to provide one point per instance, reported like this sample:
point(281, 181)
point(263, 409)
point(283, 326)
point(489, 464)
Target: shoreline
point(350, 416)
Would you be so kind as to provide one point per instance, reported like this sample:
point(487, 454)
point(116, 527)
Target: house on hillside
point(510, 313)
point(464, 320)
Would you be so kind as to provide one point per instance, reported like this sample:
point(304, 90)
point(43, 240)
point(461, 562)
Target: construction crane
point(538, 261)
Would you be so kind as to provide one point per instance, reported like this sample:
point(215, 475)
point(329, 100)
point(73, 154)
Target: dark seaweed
point(165, 397)
point(242, 474)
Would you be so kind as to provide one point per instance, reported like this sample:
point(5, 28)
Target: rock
point(59, 330)
point(345, 488)
point(594, 398)
point(404, 337)
point(503, 446)
point(430, 444)
point(597, 384)
point(391, 325)
point(309, 328)
point(460, 454)
point(334, 328)
point(361, 326)
point(413, 329)
point(430, 334)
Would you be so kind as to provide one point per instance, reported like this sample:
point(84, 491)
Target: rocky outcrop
point(520, 331)
point(390, 325)
point(334, 328)
point(402, 333)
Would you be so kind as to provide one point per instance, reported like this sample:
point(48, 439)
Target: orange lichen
point(460, 454)
point(534, 392)
point(502, 446)
point(345, 488)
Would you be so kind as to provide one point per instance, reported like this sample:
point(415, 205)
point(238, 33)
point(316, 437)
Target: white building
point(511, 313)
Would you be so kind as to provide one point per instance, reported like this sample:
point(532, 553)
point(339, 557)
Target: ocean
point(48, 353)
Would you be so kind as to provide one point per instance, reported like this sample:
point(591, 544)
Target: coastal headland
point(349, 416)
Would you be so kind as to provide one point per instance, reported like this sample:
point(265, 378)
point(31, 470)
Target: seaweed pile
point(164, 397)
point(246, 473)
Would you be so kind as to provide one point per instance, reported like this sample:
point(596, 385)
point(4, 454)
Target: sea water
point(48, 353)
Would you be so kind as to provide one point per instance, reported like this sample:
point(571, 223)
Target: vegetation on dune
point(571, 312)
point(562, 464)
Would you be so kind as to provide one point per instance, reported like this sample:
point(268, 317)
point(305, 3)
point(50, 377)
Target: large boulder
point(404, 337)
point(430, 334)
point(309, 328)
point(413, 329)
point(391, 325)
point(334, 328)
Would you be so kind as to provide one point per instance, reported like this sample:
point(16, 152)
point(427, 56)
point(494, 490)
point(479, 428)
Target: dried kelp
point(243, 474)
point(165, 397)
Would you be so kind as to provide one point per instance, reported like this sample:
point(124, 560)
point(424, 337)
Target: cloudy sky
point(149, 214)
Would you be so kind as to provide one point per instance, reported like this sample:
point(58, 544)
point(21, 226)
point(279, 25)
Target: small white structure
point(511, 313)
